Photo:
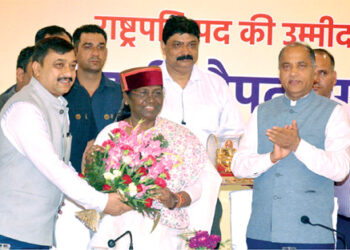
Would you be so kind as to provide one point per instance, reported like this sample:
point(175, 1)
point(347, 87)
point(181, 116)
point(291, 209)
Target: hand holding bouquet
point(133, 165)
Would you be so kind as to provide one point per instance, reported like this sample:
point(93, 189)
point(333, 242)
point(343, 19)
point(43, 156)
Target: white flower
point(116, 173)
point(132, 189)
point(127, 159)
point(109, 176)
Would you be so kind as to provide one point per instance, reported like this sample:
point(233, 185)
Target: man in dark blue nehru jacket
point(94, 100)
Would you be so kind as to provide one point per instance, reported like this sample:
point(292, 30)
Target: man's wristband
point(181, 200)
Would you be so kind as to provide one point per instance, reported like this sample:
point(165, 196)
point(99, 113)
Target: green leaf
point(155, 222)
point(94, 171)
point(163, 143)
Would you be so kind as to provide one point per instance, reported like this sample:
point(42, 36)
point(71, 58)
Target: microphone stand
point(111, 243)
point(305, 219)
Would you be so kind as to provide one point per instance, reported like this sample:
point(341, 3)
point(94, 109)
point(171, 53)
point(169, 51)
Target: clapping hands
point(285, 140)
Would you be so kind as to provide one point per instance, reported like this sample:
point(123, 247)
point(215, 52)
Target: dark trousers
point(215, 229)
point(261, 244)
point(16, 244)
point(343, 226)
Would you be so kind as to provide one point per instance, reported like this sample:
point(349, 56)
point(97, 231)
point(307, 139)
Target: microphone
point(306, 220)
point(111, 243)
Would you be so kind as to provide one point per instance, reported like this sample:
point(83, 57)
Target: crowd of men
point(296, 146)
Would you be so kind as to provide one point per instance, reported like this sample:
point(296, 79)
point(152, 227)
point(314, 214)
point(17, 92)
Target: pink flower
point(126, 147)
point(127, 179)
point(151, 160)
point(108, 142)
point(160, 182)
point(155, 171)
point(116, 130)
point(141, 190)
point(151, 147)
point(166, 174)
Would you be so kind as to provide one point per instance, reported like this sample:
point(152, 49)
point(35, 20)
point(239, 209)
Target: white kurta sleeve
point(246, 162)
point(24, 126)
point(334, 161)
point(231, 121)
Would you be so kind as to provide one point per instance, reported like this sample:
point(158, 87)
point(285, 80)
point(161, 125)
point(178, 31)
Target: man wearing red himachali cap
point(142, 100)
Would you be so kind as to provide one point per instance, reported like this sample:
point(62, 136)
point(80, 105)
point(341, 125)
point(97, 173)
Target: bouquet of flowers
point(202, 240)
point(133, 165)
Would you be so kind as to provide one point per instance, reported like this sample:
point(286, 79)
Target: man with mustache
point(195, 98)
point(93, 103)
point(34, 153)
point(326, 78)
point(295, 146)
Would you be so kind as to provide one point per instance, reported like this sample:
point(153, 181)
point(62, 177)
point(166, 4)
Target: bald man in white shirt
point(323, 85)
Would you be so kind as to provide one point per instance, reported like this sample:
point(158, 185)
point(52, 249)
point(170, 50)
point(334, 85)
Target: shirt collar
point(300, 101)
point(195, 76)
point(102, 84)
point(46, 95)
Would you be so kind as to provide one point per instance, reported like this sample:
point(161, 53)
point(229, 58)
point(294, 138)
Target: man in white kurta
point(195, 98)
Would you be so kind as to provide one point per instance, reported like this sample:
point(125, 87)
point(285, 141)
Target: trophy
point(220, 150)
point(224, 154)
